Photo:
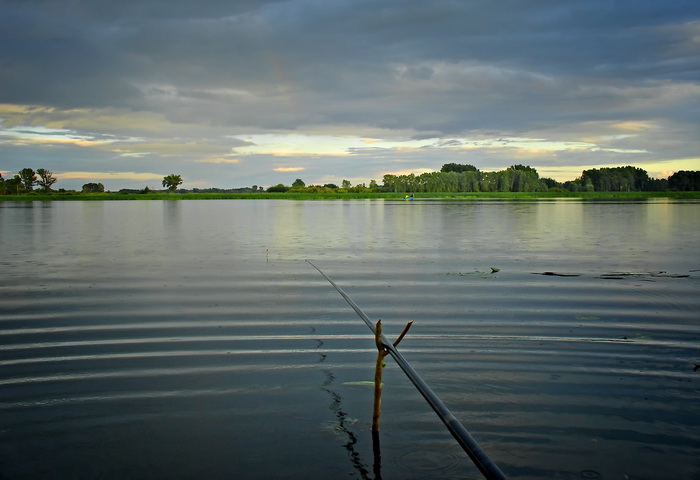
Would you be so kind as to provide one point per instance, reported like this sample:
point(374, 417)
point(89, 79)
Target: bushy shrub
point(279, 188)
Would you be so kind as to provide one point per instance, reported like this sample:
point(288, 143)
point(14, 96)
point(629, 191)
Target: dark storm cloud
point(418, 69)
point(102, 52)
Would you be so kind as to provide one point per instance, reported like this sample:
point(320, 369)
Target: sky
point(235, 93)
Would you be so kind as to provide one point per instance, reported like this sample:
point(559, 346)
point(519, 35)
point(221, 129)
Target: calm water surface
point(190, 339)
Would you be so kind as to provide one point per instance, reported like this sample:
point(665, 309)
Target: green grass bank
point(68, 196)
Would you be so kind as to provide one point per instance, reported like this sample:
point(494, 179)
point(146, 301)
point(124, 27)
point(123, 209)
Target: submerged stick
point(482, 461)
point(382, 352)
point(403, 333)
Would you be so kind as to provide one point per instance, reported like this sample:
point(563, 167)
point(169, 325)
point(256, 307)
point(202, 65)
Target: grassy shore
point(56, 196)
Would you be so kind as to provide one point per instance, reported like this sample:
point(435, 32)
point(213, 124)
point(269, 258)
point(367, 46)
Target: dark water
point(190, 339)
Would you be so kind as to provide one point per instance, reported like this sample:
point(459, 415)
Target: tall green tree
point(389, 182)
point(616, 179)
point(172, 181)
point(46, 179)
point(298, 183)
point(28, 178)
point(517, 178)
point(14, 185)
point(685, 180)
point(457, 167)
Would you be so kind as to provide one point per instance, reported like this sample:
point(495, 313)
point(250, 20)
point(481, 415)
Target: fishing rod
point(482, 461)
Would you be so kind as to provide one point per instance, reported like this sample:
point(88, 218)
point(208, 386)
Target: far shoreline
point(114, 196)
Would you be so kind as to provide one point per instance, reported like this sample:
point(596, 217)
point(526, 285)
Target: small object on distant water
point(555, 274)
point(640, 275)
point(495, 270)
point(697, 366)
point(475, 273)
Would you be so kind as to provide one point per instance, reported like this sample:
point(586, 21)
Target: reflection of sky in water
point(621, 235)
point(155, 337)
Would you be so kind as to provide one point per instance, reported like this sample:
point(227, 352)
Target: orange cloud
point(631, 126)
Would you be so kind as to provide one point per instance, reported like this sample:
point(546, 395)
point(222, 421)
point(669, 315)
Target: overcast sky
point(233, 93)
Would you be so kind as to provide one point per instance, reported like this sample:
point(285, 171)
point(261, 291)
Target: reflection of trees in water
point(343, 428)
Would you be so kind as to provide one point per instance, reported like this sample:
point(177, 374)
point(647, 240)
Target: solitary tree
point(28, 178)
point(47, 179)
point(172, 181)
point(93, 188)
point(298, 183)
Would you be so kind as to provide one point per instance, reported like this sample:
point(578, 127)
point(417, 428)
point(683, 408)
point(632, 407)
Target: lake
point(191, 339)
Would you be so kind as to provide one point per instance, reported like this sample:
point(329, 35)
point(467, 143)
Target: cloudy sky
point(233, 93)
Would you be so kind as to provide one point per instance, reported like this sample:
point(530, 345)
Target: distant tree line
point(452, 177)
point(685, 181)
point(252, 189)
point(24, 182)
point(616, 179)
point(467, 178)
point(345, 187)
point(632, 179)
